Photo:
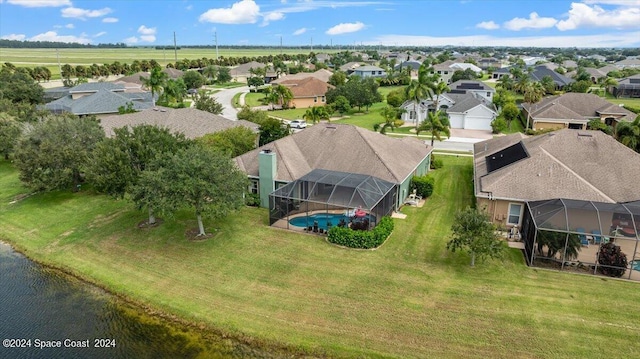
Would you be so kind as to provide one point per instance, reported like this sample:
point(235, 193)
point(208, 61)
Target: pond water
point(48, 314)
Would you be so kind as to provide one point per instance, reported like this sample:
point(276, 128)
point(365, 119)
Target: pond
point(48, 314)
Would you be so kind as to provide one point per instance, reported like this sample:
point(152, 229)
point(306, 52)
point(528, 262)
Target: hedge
point(348, 237)
point(423, 185)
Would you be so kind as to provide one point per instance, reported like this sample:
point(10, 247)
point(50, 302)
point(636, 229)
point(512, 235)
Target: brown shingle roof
point(582, 165)
point(191, 122)
point(307, 87)
point(575, 106)
point(322, 75)
point(343, 148)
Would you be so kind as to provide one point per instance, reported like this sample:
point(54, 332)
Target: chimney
point(267, 169)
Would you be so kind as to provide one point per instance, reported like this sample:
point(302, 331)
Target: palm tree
point(505, 82)
point(390, 114)
point(175, 90)
point(155, 82)
point(436, 123)
point(605, 83)
point(316, 114)
point(439, 88)
point(210, 72)
point(533, 93)
point(628, 133)
point(416, 91)
point(284, 94)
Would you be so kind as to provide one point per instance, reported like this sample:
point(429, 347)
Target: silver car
point(298, 124)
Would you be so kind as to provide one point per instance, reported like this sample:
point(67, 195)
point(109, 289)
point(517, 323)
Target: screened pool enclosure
point(322, 198)
point(583, 236)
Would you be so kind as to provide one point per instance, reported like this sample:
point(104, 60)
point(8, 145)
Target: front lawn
point(409, 298)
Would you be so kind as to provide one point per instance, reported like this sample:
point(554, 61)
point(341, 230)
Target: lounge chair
point(597, 236)
point(583, 237)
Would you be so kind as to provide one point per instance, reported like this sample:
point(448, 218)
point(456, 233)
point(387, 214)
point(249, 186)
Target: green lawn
point(634, 102)
point(409, 298)
point(253, 99)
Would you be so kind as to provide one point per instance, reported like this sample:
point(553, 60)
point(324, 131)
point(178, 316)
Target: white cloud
point(147, 34)
point(488, 25)
point(110, 19)
point(131, 40)
point(300, 31)
point(18, 37)
point(614, 2)
point(189, 7)
point(53, 36)
point(582, 15)
point(345, 28)
point(242, 12)
point(69, 26)
point(608, 40)
point(101, 33)
point(83, 14)
point(271, 16)
point(40, 3)
point(533, 22)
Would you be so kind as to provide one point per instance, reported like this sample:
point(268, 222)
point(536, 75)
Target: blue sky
point(553, 23)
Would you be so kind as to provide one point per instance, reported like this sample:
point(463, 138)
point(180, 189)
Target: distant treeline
point(17, 44)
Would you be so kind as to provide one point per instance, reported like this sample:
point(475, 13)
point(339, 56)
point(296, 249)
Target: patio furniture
point(583, 237)
point(597, 236)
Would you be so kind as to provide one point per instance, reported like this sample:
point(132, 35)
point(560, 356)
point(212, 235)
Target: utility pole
point(280, 45)
point(175, 47)
point(216, 34)
point(59, 67)
point(312, 44)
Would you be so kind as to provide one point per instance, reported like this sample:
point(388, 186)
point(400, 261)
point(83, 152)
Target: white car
point(298, 124)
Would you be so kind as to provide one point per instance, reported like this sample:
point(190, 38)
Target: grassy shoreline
point(409, 298)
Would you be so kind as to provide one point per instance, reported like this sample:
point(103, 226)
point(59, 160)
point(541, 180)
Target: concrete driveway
point(225, 97)
point(479, 135)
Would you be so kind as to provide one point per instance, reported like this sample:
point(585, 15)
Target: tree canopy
point(473, 232)
point(232, 141)
point(54, 153)
point(207, 103)
point(18, 86)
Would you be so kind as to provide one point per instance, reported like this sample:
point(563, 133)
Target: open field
point(410, 298)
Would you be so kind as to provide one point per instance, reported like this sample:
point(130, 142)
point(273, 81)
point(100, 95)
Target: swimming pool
point(635, 265)
point(322, 218)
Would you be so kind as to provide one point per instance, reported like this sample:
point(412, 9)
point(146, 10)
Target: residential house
point(575, 165)
point(322, 75)
point(323, 58)
point(468, 106)
point(99, 98)
point(448, 68)
point(574, 111)
point(242, 73)
point(335, 147)
point(191, 122)
point(595, 74)
point(489, 62)
point(561, 81)
point(413, 65)
point(350, 67)
point(629, 62)
point(369, 71)
point(627, 87)
point(133, 82)
point(307, 92)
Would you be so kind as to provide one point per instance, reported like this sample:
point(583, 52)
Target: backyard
point(409, 298)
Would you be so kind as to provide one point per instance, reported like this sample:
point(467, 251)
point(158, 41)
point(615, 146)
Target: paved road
point(225, 97)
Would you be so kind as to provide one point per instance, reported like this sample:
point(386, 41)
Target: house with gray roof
point(99, 98)
point(629, 62)
point(369, 71)
point(340, 148)
point(567, 164)
point(561, 81)
point(627, 87)
point(191, 122)
point(574, 111)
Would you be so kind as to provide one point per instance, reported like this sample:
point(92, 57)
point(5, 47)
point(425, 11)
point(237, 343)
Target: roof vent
point(266, 150)
point(155, 109)
point(331, 127)
point(584, 134)
point(163, 110)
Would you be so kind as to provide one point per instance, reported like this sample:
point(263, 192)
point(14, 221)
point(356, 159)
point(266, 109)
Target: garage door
point(455, 121)
point(477, 123)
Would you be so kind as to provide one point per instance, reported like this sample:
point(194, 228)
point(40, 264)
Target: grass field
point(410, 298)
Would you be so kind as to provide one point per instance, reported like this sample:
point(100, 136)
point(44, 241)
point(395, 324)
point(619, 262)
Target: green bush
point(498, 125)
point(423, 185)
point(252, 199)
point(348, 237)
point(435, 163)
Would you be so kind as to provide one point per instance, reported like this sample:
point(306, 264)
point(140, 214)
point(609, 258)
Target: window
point(515, 212)
point(412, 115)
point(373, 72)
point(315, 99)
point(324, 99)
point(379, 72)
point(488, 94)
point(253, 187)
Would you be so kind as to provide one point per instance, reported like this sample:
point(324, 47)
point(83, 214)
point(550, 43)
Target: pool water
point(322, 218)
point(635, 265)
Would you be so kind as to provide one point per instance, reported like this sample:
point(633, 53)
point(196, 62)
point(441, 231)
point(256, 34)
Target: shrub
point(398, 123)
point(611, 256)
point(423, 185)
point(252, 199)
point(498, 125)
point(348, 237)
point(435, 163)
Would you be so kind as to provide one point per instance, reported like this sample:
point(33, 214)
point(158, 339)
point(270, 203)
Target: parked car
point(298, 124)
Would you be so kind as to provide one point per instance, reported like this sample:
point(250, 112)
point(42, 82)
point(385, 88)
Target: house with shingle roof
point(307, 92)
point(578, 165)
point(191, 122)
point(369, 71)
point(540, 72)
point(627, 87)
point(134, 83)
point(629, 62)
point(322, 75)
point(574, 111)
point(336, 147)
point(242, 72)
point(99, 98)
